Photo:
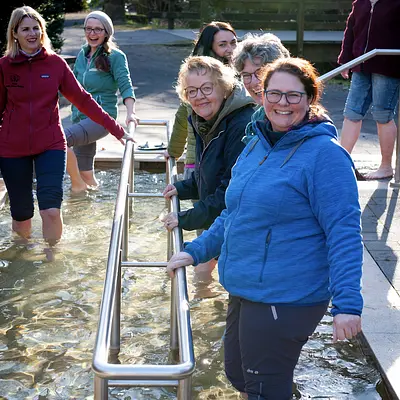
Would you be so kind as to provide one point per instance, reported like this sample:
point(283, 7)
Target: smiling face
point(283, 115)
point(96, 35)
point(29, 35)
point(224, 42)
point(206, 106)
point(250, 80)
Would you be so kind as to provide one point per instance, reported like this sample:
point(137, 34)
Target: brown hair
point(306, 73)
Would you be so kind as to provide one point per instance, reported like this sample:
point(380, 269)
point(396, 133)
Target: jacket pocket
point(266, 248)
point(7, 125)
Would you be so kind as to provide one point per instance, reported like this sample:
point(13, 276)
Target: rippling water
point(49, 303)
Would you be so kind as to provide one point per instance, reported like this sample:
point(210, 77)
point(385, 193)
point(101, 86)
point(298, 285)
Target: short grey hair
point(265, 48)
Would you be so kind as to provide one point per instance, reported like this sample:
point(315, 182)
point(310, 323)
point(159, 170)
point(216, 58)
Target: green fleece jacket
point(103, 86)
point(182, 131)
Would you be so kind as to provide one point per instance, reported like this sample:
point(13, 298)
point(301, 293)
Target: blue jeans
point(18, 176)
point(379, 92)
point(262, 345)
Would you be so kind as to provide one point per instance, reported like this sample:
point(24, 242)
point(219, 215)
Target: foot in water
point(380, 173)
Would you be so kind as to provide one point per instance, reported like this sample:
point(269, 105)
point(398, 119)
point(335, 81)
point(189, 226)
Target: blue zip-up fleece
point(291, 232)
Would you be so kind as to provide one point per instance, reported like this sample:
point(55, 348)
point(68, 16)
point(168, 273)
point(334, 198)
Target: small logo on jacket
point(45, 76)
point(14, 79)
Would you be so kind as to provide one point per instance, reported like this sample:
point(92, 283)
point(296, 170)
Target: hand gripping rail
point(107, 343)
point(364, 57)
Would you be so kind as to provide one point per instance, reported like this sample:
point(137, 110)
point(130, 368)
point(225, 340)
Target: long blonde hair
point(15, 20)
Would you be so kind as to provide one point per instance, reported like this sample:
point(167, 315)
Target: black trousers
point(263, 344)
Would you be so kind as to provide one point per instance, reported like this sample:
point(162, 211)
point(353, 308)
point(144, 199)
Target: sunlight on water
point(50, 302)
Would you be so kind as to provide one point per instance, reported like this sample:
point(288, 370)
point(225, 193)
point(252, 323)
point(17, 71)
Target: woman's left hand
point(132, 118)
point(170, 221)
point(127, 137)
point(181, 259)
point(346, 326)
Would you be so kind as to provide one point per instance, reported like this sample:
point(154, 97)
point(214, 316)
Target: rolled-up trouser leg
point(82, 136)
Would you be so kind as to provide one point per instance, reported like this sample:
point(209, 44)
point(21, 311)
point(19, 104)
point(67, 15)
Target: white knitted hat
point(104, 19)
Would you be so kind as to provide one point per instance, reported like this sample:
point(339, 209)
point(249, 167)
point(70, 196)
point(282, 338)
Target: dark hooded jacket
point(214, 162)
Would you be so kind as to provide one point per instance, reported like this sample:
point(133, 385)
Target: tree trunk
point(115, 9)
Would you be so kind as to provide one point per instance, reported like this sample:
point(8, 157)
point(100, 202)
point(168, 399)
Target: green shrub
point(52, 11)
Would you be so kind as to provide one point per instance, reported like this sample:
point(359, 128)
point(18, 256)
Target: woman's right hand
point(345, 73)
point(181, 259)
point(169, 191)
point(166, 154)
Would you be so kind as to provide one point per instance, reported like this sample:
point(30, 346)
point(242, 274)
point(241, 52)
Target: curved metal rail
point(376, 52)
point(108, 374)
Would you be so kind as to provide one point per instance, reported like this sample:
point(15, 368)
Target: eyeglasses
point(206, 89)
point(274, 96)
point(247, 76)
point(95, 30)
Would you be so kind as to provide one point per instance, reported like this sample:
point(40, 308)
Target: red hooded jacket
point(373, 27)
point(29, 115)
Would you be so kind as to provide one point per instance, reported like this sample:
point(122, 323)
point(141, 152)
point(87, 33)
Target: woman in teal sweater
point(102, 69)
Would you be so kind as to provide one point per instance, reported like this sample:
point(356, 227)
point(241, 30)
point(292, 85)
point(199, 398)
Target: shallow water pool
point(49, 303)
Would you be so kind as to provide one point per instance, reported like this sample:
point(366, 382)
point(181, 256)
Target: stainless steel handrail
point(376, 52)
point(108, 374)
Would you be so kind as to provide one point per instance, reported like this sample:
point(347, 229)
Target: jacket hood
point(294, 138)
point(237, 99)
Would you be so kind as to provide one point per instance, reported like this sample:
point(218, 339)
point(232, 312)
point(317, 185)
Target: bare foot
point(79, 188)
point(380, 173)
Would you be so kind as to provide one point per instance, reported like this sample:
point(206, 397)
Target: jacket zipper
point(267, 242)
point(88, 64)
point(205, 148)
point(369, 26)
point(237, 211)
point(30, 106)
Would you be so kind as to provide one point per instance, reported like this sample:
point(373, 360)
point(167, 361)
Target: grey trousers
point(82, 136)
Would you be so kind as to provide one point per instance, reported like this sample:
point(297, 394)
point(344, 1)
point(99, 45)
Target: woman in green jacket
point(102, 69)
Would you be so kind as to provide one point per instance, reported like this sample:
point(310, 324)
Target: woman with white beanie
point(102, 69)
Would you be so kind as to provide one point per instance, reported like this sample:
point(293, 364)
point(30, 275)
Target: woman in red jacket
point(31, 135)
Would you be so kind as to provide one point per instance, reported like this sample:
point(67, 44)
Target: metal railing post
point(100, 388)
point(108, 372)
point(185, 389)
point(115, 342)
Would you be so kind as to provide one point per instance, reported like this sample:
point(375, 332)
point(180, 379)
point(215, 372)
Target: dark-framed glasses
point(206, 89)
point(95, 30)
point(247, 76)
point(292, 97)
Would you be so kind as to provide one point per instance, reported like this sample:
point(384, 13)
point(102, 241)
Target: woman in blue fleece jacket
point(289, 240)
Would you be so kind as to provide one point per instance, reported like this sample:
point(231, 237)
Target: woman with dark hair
point(289, 240)
point(102, 69)
point(216, 39)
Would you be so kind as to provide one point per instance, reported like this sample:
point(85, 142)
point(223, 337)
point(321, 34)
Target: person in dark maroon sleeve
point(372, 24)
point(31, 135)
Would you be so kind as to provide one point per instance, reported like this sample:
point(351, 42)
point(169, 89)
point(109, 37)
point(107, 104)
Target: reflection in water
point(49, 307)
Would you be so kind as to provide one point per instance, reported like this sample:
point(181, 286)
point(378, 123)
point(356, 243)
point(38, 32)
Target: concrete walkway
point(154, 57)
